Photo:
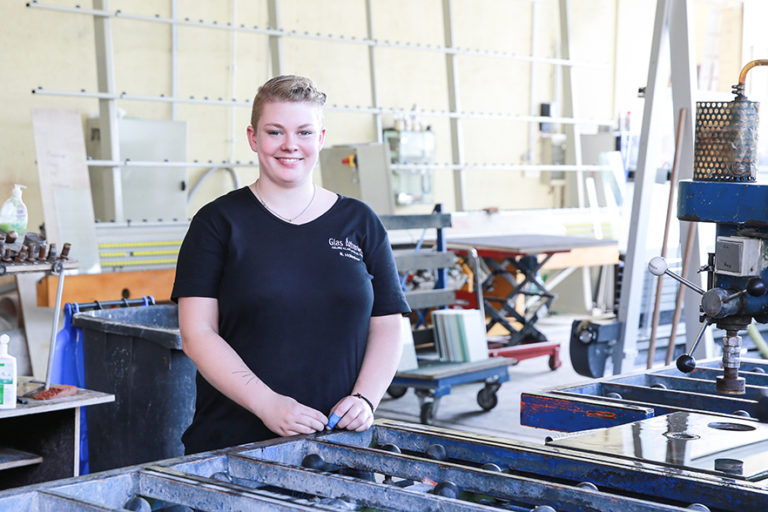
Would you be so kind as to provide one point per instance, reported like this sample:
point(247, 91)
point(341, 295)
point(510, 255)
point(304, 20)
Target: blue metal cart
point(434, 379)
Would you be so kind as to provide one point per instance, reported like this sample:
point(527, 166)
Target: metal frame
point(107, 96)
point(277, 475)
point(673, 38)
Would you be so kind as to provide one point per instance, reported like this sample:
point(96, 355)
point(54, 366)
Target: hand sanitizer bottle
point(13, 214)
point(7, 375)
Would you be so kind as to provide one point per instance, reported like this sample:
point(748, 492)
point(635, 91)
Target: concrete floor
point(459, 410)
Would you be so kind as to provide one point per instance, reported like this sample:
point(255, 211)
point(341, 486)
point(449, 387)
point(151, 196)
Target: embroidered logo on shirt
point(346, 248)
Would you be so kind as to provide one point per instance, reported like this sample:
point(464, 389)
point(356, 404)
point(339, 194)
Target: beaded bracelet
point(358, 395)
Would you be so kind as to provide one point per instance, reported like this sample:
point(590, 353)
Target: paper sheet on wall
point(65, 188)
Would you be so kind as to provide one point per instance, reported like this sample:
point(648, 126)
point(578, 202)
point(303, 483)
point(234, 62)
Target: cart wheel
point(427, 413)
point(487, 399)
point(396, 391)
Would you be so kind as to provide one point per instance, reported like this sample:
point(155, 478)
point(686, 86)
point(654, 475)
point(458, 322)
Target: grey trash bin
point(135, 353)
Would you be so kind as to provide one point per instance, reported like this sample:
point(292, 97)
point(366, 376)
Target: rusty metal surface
point(398, 467)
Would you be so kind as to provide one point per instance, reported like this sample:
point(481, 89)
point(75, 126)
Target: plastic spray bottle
point(7, 375)
point(13, 214)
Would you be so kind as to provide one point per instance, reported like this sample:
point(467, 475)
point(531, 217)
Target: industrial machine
point(360, 171)
point(383, 175)
point(724, 191)
point(410, 153)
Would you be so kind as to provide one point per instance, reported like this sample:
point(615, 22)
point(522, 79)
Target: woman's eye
point(305, 133)
point(273, 132)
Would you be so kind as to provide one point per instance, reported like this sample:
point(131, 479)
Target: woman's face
point(288, 140)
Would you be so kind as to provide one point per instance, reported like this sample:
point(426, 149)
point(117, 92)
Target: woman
point(289, 302)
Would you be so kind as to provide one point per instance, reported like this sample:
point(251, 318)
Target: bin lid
point(159, 323)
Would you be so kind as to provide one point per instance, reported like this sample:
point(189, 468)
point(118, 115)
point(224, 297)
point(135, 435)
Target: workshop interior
point(576, 197)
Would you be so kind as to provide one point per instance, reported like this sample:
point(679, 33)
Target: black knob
point(756, 287)
point(686, 363)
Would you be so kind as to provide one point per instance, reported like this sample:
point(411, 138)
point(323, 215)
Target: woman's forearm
point(226, 371)
point(382, 355)
point(215, 359)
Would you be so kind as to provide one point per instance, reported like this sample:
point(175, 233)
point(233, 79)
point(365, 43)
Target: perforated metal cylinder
point(726, 141)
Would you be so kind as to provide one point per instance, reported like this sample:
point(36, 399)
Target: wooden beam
point(108, 286)
point(583, 257)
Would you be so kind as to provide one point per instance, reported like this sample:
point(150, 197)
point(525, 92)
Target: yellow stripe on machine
point(117, 245)
point(125, 263)
point(155, 253)
point(113, 254)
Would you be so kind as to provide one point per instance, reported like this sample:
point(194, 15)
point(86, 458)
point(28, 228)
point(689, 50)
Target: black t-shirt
point(295, 302)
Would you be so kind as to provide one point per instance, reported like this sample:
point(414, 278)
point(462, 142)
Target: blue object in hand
point(333, 420)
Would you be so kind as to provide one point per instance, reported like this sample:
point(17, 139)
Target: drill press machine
point(724, 191)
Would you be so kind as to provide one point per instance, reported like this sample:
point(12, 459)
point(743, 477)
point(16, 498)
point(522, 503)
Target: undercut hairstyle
point(290, 88)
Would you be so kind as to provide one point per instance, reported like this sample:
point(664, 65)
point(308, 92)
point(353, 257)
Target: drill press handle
point(658, 267)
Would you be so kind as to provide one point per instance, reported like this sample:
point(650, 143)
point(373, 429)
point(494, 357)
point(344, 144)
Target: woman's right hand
point(286, 417)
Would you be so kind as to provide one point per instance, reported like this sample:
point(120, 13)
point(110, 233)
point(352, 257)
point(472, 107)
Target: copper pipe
point(748, 66)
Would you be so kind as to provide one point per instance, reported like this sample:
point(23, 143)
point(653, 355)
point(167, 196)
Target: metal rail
point(271, 31)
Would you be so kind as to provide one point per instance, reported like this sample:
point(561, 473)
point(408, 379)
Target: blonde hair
point(292, 88)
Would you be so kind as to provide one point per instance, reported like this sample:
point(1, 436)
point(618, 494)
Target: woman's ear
point(251, 132)
point(322, 139)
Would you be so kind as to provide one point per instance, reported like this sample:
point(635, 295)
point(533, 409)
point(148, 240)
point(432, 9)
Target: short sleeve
point(201, 256)
point(388, 296)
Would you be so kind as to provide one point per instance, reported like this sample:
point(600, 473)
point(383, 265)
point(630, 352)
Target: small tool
point(333, 420)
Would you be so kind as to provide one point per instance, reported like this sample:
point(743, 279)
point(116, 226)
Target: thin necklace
point(273, 212)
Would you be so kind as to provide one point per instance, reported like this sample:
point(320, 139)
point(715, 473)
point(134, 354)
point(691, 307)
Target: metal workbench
point(401, 467)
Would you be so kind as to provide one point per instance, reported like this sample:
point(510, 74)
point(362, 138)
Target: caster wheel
point(427, 413)
point(487, 399)
point(396, 391)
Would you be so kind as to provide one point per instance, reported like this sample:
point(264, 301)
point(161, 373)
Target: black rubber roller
point(314, 461)
point(447, 489)
point(137, 504)
point(436, 452)
point(389, 447)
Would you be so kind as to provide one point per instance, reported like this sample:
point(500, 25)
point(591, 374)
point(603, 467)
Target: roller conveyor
point(399, 467)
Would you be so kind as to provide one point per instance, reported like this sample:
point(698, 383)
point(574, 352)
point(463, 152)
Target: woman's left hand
point(355, 414)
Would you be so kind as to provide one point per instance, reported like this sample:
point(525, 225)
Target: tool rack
point(398, 467)
point(58, 267)
point(42, 437)
point(625, 398)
